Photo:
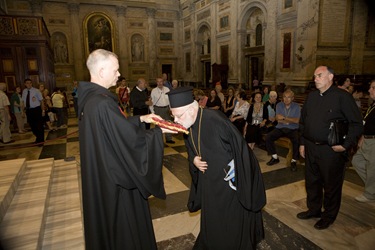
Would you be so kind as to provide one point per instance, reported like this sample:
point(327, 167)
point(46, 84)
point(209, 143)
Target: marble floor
point(175, 227)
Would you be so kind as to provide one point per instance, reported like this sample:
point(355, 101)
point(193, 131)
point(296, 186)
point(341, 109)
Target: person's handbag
point(338, 130)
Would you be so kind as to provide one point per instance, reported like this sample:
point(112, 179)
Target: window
point(259, 35)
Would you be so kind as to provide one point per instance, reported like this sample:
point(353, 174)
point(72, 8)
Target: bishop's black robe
point(229, 219)
point(121, 166)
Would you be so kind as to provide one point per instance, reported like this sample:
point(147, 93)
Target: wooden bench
point(285, 143)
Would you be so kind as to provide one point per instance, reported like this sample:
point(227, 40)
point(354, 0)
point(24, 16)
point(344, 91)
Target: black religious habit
point(229, 219)
point(121, 166)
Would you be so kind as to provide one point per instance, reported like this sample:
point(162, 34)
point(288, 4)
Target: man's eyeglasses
point(179, 116)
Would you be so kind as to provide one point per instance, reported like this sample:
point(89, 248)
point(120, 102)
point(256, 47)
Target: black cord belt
point(161, 107)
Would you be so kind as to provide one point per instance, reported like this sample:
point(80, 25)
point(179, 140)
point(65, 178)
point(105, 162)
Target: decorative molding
point(73, 8)
point(56, 21)
point(165, 36)
point(166, 50)
point(121, 10)
point(136, 24)
point(204, 14)
point(27, 26)
point(165, 24)
point(6, 26)
point(151, 12)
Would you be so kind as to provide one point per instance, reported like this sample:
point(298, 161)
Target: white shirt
point(159, 97)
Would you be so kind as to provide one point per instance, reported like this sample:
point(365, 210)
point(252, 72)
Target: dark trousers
point(324, 176)
point(60, 116)
point(35, 120)
point(277, 133)
point(75, 102)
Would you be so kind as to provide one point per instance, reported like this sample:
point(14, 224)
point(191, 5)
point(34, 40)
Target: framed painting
point(8, 66)
point(32, 65)
point(99, 32)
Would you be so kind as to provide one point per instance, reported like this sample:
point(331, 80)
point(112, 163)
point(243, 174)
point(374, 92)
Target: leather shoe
point(171, 142)
point(273, 161)
point(293, 166)
point(323, 224)
point(307, 215)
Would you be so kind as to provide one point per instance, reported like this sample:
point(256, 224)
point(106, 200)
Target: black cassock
point(229, 219)
point(121, 166)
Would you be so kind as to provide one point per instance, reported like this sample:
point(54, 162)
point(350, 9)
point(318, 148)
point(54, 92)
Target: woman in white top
point(239, 114)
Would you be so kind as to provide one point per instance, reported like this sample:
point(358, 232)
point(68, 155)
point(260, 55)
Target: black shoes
point(293, 166)
point(171, 141)
point(307, 215)
point(323, 224)
point(273, 161)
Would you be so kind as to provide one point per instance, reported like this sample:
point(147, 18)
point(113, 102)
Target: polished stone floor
point(176, 228)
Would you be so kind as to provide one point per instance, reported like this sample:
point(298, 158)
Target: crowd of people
point(35, 108)
point(122, 155)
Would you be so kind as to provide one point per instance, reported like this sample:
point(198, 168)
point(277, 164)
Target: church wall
point(156, 22)
point(333, 32)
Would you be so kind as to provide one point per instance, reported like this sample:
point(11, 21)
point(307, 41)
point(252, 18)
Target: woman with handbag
point(255, 121)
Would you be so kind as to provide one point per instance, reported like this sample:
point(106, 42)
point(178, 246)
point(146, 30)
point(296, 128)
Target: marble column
point(152, 42)
point(78, 54)
point(123, 41)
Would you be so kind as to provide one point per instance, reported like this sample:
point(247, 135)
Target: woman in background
point(256, 119)
point(229, 102)
point(17, 108)
point(201, 98)
point(239, 114)
point(214, 101)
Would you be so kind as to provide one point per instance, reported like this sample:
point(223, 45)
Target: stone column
point(240, 58)
point(78, 56)
point(214, 45)
point(36, 7)
point(270, 44)
point(179, 30)
point(235, 52)
point(305, 43)
point(152, 42)
point(123, 42)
